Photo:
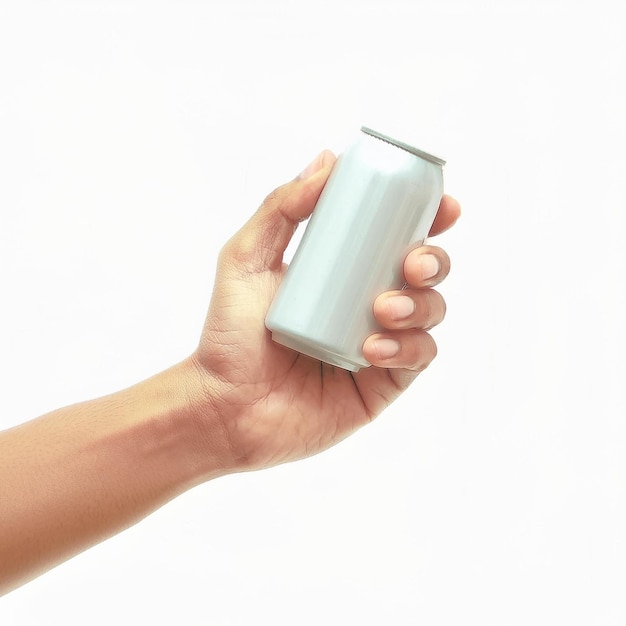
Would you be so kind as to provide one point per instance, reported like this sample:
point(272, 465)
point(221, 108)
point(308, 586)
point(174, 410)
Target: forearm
point(80, 474)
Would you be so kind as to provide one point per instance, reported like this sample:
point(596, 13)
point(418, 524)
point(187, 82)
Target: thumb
point(262, 241)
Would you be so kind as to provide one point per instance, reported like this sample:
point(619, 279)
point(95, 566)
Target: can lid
point(404, 146)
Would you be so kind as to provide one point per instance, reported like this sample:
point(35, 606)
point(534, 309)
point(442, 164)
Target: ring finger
point(409, 349)
point(409, 308)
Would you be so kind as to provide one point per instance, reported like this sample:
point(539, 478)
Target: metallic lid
point(404, 146)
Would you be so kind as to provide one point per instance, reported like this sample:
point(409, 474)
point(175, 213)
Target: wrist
point(177, 417)
point(185, 401)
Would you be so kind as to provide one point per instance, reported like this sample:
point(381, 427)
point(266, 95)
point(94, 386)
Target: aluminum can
point(378, 204)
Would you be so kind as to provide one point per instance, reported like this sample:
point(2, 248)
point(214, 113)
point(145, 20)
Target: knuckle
point(444, 309)
point(238, 249)
point(424, 350)
point(436, 309)
point(425, 308)
point(445, 263)
point(430, 309)
point(275, 197)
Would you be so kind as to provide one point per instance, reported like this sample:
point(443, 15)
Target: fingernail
point(429, 264)
point(314, 166)
point(386, 348)
point(400, 307)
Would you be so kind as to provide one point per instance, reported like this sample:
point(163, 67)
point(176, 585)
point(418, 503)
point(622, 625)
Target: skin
point(240, 402)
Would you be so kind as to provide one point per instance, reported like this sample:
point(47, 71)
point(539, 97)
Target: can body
point(379, 202)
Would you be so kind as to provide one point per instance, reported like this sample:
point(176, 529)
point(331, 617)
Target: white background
point(135, 137)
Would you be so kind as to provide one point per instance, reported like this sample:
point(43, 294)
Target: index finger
point(448, 213)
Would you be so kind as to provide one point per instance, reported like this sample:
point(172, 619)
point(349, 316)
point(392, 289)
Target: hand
point(258, 403)
point(240, 402)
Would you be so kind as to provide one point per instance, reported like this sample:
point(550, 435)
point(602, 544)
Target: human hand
point(240, 402)
point(258, 403)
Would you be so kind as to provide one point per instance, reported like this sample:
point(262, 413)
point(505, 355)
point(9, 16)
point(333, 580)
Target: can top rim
point(405, 146)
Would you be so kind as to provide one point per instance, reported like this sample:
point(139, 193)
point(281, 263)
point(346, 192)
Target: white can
point(379, 203)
